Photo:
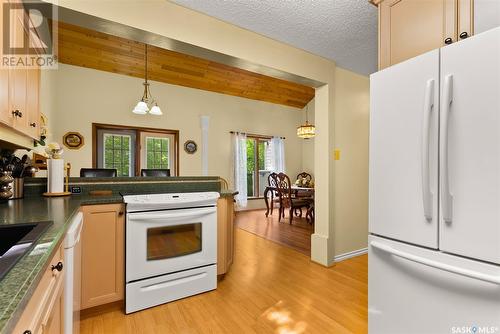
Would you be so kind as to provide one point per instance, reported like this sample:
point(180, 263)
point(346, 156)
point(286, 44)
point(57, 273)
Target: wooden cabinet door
point(5, 112)
point(18, 75)
point(409, 28)
point(225, 234)
point(465, 18)
point(55, 322)
point(103, 240)
point(33, 103)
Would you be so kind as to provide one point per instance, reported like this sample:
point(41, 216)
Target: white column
point(204, 121)
point(322, 247)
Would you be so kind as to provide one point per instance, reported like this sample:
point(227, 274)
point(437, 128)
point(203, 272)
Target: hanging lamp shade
point(146, 103)
point(156, 111)
point(306, 130)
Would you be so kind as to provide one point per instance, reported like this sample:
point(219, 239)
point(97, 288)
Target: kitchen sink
point(16, 240)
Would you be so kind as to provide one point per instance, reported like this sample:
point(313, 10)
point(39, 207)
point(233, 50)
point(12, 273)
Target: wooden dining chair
point(304, 175)
point(287, 200)
point(272, 182)
point(304, 194)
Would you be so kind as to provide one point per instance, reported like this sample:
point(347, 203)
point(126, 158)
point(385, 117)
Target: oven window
point(173, 241)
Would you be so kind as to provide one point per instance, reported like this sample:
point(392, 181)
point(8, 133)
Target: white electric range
point(171, 247)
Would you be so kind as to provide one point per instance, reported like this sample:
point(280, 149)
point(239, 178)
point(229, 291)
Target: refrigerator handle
point(446, 197)
point(435, 264)
point(426, 124)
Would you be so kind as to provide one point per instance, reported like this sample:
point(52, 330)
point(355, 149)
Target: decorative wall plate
point(190, 146)
point(73, 140)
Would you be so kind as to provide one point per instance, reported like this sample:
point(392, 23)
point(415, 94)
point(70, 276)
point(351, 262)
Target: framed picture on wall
point(73, 140)
point(190, 146)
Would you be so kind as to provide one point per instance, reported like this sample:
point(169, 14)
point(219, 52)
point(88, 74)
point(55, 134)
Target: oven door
point(162, 242)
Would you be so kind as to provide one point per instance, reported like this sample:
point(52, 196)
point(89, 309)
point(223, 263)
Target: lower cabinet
point(44, 312)
point(225, 234)
point(103, 249)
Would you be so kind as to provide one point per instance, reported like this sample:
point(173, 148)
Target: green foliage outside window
point(117, 153)
point(157, 152)
point(254, 166)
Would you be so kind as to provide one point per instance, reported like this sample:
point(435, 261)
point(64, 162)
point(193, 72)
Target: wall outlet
point(76, 190)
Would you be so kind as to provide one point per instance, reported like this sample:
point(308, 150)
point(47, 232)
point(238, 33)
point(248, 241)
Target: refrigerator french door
point(404, 151)
point(470, 148)
point(434, 263)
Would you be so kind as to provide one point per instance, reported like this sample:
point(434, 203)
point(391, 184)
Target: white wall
point(352, 120)
point(486, 15)
point(86, 96)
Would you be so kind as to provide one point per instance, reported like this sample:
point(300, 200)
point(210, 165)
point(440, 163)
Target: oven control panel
point(149, 202)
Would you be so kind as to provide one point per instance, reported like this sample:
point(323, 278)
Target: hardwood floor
point(269, 289)
point(297, 235)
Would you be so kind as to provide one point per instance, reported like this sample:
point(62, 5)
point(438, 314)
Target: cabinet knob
point(448, 40)
point(27, 332)
point(120, 213)
point(33, 125)
point(464, 35)
point(59, 266)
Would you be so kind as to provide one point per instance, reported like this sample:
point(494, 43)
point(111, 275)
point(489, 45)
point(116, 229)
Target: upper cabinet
point(19, 86)
point(408, 28)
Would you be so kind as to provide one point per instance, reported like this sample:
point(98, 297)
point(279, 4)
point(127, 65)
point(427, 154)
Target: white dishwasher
point(72, 280)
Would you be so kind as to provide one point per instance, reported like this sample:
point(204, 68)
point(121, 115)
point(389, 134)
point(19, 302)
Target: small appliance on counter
point(171, 247)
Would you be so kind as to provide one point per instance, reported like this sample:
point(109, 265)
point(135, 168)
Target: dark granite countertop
point(20, 282)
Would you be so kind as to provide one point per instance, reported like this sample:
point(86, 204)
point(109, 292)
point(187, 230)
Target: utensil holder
point(18, 188)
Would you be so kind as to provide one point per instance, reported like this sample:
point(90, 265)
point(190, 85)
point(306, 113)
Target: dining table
point(297, 192)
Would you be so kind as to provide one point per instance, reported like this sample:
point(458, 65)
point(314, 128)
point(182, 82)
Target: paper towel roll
point(55, 175)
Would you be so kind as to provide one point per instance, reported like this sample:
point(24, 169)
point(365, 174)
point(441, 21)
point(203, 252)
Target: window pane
point(164, 159)
point(117, 153)
point(157, 159)
point(157, 150)
point(117, 142)
point(108, 142)
point(126, 143)
point(250, 167)
point(149, 158)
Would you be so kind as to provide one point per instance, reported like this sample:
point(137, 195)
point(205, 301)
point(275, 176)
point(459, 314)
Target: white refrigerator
point(434, 217)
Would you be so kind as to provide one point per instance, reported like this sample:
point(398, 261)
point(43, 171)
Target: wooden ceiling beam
point(88, 48)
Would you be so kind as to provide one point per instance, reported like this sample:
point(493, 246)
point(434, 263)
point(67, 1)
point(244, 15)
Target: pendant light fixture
point(306, 130)
point(147, 103)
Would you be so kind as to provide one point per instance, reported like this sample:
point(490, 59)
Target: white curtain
point(240, 167)
point(278, 154)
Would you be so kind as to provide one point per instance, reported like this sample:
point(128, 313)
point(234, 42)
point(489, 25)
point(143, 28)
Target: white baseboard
point(349, 255)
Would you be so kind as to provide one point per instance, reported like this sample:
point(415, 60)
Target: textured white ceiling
point(341, 30)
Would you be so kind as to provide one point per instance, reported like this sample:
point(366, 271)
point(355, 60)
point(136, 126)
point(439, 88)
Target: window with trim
point(259, 164)
point(130, 149)
point(116, 153)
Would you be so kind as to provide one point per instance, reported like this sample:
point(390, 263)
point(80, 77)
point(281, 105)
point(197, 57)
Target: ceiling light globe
point(156, 111)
